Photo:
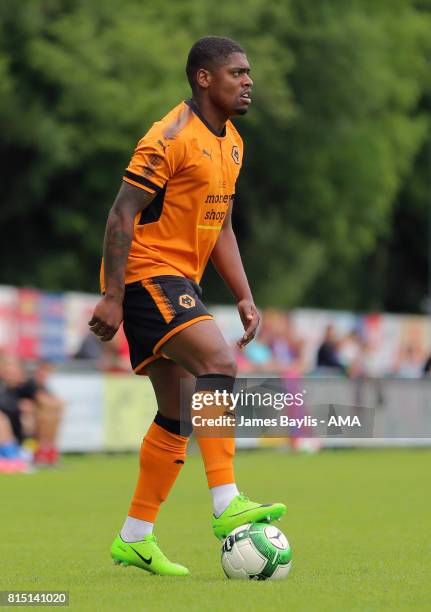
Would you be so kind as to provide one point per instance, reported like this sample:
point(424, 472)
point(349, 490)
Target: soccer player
point(173, 213)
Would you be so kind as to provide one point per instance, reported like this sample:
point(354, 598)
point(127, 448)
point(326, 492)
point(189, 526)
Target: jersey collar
point(192, 104)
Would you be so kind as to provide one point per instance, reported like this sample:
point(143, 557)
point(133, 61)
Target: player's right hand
point(106, 319)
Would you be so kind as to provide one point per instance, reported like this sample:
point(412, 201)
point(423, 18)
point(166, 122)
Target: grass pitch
point(358, 522)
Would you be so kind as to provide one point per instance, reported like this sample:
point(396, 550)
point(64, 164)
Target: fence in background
point(110, 412)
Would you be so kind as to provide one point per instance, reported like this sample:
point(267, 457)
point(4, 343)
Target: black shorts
point(155, 309)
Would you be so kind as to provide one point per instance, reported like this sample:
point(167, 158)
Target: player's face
point(230, 85)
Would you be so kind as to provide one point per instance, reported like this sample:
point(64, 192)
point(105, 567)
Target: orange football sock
point(161, 458)
point(217, 455)
point(217, 452)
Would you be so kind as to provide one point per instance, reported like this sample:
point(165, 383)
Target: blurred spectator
point(370, 363)
point(260, 358)
point(367, 367)
point(327, 356)
point(33, 411)
point(349, 353)
point(11, 376)
point(287, 349)
point(298, 363)
point(49, 408)
point(10, 425)
point(278, 328)
point(409, 363)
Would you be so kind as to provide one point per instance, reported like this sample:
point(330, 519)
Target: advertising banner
point(129, 408)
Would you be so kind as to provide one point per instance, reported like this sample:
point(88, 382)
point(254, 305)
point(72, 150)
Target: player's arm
point(108, 314)
point(227, 261)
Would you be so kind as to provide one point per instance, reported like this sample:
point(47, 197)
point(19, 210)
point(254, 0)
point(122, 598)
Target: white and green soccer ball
point(256, 551)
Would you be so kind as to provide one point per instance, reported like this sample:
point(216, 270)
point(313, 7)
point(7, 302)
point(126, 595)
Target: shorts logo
point(235, 154)
point(186, 301)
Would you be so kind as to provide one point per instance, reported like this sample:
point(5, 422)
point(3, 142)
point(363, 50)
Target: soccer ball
point(256, 551)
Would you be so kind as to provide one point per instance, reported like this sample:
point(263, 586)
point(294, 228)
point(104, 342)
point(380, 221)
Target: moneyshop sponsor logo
point(219, 198)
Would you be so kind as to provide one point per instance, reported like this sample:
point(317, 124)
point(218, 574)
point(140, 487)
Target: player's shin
point(217, 441)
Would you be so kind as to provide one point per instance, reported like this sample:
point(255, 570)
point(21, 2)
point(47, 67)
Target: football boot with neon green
point(146, 555)
point(241, 511)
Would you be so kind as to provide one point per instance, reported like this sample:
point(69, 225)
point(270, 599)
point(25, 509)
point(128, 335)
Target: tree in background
point(359, 69)
point(402, 260)
point(81, 81)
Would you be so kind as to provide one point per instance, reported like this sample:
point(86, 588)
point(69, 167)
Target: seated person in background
point(34, 412)
point(49, 408)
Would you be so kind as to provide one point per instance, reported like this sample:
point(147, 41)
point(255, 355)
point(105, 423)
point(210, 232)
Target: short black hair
point(207, 52)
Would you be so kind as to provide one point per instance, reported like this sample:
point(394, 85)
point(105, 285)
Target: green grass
point(358, 521)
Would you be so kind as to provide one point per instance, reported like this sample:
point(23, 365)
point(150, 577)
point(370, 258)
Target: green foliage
point(331, 139)
point(358, 75)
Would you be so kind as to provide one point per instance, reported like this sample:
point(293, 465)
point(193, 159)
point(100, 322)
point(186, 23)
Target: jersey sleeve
point(154, 161)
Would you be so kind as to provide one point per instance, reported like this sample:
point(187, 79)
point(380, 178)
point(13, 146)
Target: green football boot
point(146, 555)
point(241, 511)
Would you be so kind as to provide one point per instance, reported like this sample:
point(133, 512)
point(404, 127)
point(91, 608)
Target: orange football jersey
point(193, 171)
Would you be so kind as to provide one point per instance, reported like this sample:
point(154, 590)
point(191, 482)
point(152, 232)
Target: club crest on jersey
point(186, 301)
point(235, 154)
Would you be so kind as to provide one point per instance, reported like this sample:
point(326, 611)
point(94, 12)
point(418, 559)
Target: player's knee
point(222, 362)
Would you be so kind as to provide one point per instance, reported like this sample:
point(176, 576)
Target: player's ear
point(203, 78)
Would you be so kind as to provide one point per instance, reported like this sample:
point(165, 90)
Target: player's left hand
point(250, 319)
